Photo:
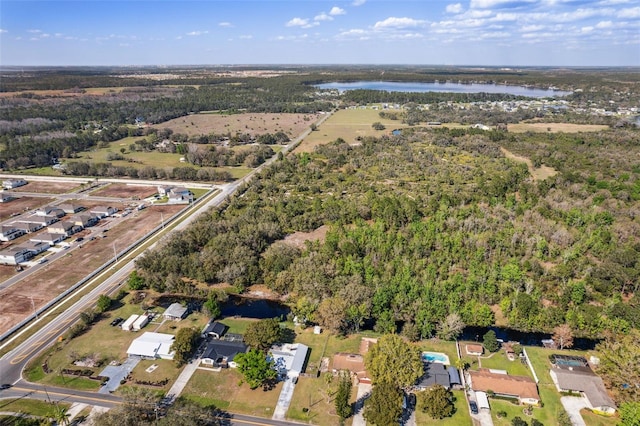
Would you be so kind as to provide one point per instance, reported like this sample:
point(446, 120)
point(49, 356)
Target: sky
point(221, 32)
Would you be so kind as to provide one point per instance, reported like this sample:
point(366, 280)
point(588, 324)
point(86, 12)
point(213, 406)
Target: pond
point(447, 87)
point(526, 338)
point(253, 308)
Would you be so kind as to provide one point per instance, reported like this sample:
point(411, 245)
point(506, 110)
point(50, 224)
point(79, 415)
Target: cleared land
point(55, 277)
point(136, 160)
point(555, 127)
point(540, 173)
point(46, 187)
point(123, 190)
point(348, 124)
point(20, 205)
point(251, 123)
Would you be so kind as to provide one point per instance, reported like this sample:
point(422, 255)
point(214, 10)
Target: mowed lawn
point(138, 159)
point(460, 416)
point(348, 124)
point(313, 402)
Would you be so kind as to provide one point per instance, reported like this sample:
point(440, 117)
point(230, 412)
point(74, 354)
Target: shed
point(214, 329)
point(483, 400)
point(474, 349)
point(175, 312)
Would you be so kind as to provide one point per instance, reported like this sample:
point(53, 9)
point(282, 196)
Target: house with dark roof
point(214, 330)
point(587, 383)
point(220, 353)
point(434, 374)
point(522, 388)
point(70, 208)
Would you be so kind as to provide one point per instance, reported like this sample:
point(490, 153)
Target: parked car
point(474, 407)
point(116, 321)
point(5, 386)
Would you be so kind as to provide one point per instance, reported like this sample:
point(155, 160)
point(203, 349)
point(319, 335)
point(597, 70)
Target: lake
point(447, 87)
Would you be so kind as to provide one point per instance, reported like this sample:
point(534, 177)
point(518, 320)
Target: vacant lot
point(348, 124)
point(136, 160)
point(55, 277)
point(10, 209)
point(254, 124)
point(123, 190)
point(47, 187)
point(555, 127)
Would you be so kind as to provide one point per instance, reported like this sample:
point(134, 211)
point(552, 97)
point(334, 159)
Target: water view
point(447, 87)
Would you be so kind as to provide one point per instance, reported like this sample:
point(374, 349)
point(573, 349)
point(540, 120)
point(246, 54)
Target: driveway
point(285, 399)
point(115, 373)
point(364, 390)
point(572, 405)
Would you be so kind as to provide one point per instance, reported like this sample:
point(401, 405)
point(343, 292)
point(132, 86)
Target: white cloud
point(531, 28)
point(197, 33)
point(454, 8)
point(246, 37)
point(225, 24)
point(297, 22)
point(2, 31)
point(631, 12)
point(323, 17)
point(358, 2)
point(34, 31)
point(335, 11)
point(393, 22)
point(487, 4)
point(604, 24)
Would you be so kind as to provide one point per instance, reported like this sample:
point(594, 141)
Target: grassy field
point(461, 415)
point(499, 361)
point(29, 406)
point(138, 159)
point(166, 369)
point(348, 124)
point(317, 396)
point(325, 345)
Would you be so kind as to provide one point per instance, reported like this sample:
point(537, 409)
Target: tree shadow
point(288, 335)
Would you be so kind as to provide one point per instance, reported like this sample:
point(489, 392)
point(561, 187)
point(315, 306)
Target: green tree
point(60, 415)
point(378, 126)
point(517, 421)
point(343, 407)
point(490, 341)
point(450, 327)
point(619, 366)
point(104, 303)
point(393, 360)
point(437, 402)
point(184, 344)
point(384, 406)
point(630, 413)
point(257, 371)
point(135, 281)
point(260, 335)
point(212, 306)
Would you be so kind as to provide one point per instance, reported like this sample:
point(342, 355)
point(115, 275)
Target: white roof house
point(175, 312)
point(152, 345)
point(290, 358)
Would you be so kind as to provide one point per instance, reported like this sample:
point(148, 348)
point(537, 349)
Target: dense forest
point(430, 224)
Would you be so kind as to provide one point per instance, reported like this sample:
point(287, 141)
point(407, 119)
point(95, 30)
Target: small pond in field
point(253, 308)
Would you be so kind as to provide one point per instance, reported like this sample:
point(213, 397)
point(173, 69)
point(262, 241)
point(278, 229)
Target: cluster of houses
point(60, 221)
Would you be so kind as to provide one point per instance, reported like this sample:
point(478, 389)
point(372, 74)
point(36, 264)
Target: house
point(14, 255)
point(48, 238)
point(180, 195)
point(354, 363)
point(220, 353)
point(214, 330)
point(140, 322)
point(50, 211)
point(583, 380)
point(435, 373)
point(65, 227)
point(152, 346)
point(13, 183)
point(43, 221)
point(474, 350)
point(128, 324)
point(70, 208)
point(175, 312)
point(10, 232)
point(83, 219)
point(164, 189)
point(5, 197)
point(103, 211)
point(28, 227)
point(522, 388)
point(35, 247)
point(290, 358)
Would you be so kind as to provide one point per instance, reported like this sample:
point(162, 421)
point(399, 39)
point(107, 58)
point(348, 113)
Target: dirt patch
point(11, 209)
point(57, 276)
point(554, 127)
point(123, 190)
point(298, 239)
point(254, 124)
point(48, 187)
point(540, 173)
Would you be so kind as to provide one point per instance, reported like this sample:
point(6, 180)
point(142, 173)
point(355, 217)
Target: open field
point(123, 190)
point(555, 127)
point(251, 123)
point(136, 160)
point(318, 397)
point(66, 93)
point(348, 124)
point(540, 173)
point(46, 187)
point(55, 277)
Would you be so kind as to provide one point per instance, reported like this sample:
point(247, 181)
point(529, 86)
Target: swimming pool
point(438, 357)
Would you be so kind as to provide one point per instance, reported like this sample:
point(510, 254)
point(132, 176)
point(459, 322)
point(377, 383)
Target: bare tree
point(563, 336)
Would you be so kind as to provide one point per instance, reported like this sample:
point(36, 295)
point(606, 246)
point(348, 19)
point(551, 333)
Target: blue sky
point(431, 32)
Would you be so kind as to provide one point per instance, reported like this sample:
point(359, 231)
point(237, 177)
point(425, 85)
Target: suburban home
point(34, 247)
point(5, 197)
point(152, 346)
point(10, 232)
point(290, 358)
point(70, 208)
point(175, 312)
point(14, 255)
point(41, 220)
point(84, 219)
point(474, 349)
point(180, 195)
point(50, 211)
point(13, 183)
point(454, 376)
point(583, 380)
point(220, 353)
point(214, 330)
point(354, 363)
point(65, 227)
point(103, 211)
point(128, 324)
point(435, 373)
point(48, 238)
point(28, 227)
point(522, 388)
